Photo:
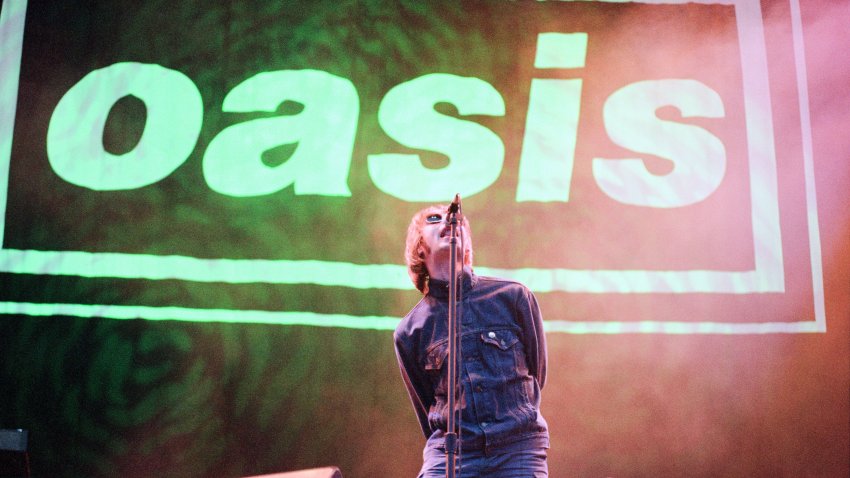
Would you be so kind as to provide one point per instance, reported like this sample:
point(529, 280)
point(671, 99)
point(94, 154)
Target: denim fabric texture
point(476, 464)
point(502, 369)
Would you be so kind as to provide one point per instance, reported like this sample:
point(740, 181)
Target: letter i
point(551, 126)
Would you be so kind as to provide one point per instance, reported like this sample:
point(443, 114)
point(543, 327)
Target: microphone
point(454, 207)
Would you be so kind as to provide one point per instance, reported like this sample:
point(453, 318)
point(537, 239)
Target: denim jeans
point(475, 464)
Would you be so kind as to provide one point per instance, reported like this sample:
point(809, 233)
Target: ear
point(420, 249)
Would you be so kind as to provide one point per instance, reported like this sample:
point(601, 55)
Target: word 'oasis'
point(325, 130)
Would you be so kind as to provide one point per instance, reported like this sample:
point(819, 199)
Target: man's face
point(436, 234)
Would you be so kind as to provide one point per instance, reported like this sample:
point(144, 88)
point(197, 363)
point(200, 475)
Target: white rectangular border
point(767, 276)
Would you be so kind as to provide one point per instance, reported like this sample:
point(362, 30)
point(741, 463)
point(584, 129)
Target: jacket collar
point(440, 289)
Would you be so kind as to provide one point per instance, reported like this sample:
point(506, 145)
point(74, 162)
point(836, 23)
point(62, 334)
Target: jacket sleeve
point(531, 322)
point(417, 384)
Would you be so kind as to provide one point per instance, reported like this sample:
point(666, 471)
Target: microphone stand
point(452, 428)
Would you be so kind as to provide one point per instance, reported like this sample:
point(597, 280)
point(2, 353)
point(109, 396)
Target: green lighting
point(475, 153)
point(548, 151)
point(551, 126)
point(241, 316)
point(491, 136)
point(561, 50)
point(75, 136)
point(324, 131)
point(184, 314)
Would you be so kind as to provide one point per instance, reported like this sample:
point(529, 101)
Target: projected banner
point(642, 166)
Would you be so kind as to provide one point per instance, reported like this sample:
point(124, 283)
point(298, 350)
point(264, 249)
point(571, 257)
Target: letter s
point(699, 158)
point(475, 153)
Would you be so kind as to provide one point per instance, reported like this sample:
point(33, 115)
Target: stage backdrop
point(205, 206)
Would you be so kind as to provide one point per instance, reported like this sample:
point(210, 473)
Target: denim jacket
point(503, 368)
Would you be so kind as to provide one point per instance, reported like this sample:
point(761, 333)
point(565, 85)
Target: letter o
point(75, 134)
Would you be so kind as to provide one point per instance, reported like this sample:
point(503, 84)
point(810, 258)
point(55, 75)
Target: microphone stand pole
point(452, 427)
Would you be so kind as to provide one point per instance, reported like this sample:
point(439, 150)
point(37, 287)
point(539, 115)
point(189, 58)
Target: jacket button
point(478, 388)
point(484, 424)
point(492, 335)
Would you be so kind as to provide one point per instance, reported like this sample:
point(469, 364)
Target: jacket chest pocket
point(503, 352)
point(505, 371)
point(435, 360)
point(501, 339)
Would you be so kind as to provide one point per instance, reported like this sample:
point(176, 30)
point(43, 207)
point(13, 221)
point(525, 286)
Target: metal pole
point(451, 426)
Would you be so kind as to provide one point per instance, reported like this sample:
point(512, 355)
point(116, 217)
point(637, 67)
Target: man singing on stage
point(503, 359)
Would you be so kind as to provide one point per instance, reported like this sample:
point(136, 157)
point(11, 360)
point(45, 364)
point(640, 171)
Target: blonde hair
point(414, 253)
